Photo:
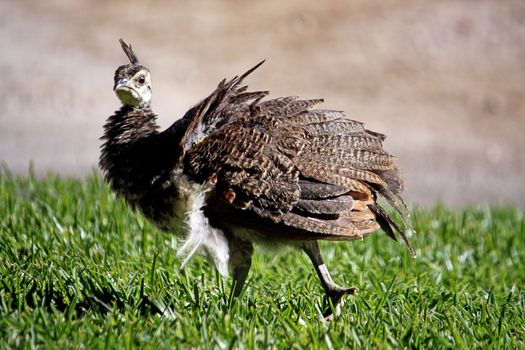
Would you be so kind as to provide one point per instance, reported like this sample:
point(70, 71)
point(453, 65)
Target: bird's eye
point(141, 79)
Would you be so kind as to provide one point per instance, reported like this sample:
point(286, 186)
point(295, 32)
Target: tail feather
point(390, 226)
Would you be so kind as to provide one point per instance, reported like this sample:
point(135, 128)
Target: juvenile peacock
point(239, 169)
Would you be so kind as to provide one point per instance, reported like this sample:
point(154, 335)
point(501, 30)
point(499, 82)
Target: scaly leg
point(333, 291)
point(240, 262)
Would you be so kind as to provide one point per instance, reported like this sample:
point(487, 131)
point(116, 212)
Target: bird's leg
point(334, 292)
point(240, 262)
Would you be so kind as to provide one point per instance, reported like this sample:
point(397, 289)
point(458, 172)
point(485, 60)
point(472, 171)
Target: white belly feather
point(202, 235)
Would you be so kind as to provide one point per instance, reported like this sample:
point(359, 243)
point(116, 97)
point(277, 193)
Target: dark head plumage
point(132, 82)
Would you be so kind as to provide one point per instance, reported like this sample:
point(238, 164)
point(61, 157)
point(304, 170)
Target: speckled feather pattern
point(276, 167)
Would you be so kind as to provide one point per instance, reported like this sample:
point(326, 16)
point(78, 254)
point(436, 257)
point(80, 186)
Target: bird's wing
point(217, 109)
point(313, 171)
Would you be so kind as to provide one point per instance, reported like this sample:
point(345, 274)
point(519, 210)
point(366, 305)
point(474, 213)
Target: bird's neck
point(130, 125)
point(129, 155)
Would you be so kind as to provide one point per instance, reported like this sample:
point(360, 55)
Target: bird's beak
point(120, 84)
point(127, 93)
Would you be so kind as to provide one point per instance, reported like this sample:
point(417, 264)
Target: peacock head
point(132, 81)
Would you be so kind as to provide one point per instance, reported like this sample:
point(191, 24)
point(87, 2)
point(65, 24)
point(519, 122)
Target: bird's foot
point(336, 301)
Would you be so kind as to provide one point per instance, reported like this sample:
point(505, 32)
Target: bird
point(241, 169)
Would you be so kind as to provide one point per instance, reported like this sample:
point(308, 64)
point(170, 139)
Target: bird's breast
point(169, 204)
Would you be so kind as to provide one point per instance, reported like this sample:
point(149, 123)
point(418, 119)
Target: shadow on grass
point(79, 301)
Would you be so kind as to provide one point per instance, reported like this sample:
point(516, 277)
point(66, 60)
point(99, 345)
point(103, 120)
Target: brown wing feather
point(313, 171)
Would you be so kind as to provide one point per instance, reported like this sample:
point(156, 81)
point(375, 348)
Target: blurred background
point(445, 80)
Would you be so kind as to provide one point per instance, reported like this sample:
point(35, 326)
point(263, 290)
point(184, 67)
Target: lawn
point(79, 270)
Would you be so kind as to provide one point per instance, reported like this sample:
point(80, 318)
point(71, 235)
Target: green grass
point(79, 270)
